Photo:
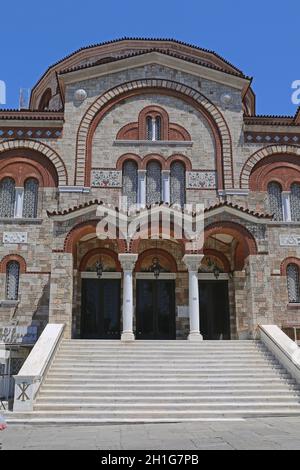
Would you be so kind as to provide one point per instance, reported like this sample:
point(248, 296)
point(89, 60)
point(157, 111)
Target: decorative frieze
point(106, 178)
point(289, 240)
point(30, 133)
point(201, 180)
point(15, 237)
point(271, 138)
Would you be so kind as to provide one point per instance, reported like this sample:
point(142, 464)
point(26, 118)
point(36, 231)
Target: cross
point(23, 395)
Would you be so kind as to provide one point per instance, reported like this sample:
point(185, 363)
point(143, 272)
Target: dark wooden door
point(214, 309)
point(155, 309)
point(100, 313)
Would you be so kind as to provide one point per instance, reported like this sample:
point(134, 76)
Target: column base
point(127, 336)
point(195, 337)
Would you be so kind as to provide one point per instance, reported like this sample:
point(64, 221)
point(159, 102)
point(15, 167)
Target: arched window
point(7, 197)
point(153, 125)
point(292, 272)
point(31, 188)
point(153, 182)
point(130, 182)
point(12, 280)
point(275, 201)
point(45, 100)
point(177, 183)
point(295, 201)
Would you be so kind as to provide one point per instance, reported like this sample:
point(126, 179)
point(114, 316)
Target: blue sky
point(260, 37)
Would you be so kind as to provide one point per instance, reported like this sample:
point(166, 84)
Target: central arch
point(104, 103)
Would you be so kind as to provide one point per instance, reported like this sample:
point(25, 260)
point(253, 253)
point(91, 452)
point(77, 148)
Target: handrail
point(284, 349)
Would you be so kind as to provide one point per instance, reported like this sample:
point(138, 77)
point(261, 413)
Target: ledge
point(15, 221)
point(156, 143)
point(9, 303)
point(293, 306)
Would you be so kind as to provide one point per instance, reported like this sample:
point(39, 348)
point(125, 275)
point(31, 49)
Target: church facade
point(159, 122)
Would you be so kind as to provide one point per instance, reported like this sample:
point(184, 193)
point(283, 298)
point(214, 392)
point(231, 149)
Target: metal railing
point(7, 384)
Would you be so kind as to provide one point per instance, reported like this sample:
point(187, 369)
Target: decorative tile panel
point(107, 178)
point(201, 180)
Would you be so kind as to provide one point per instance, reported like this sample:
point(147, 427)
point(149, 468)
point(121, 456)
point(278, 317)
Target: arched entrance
point(155, 295)
point(226, 247)
point(100, 295)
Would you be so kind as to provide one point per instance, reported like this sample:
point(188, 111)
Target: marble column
point(286, 206)
point(166, 196)
point(127, 261)
point(142, 187)
point(192, 262)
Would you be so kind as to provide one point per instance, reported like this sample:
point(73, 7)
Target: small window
point(154, 186)
point(12, 280)
point(292, 273)
point(7, 197)
point(178, 183)
point(130, 182)
point(275, 201)
point(295, 201)
point(31, 189)
point(153, 125)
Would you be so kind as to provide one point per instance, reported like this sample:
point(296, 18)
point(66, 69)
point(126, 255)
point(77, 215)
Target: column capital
point(142, 172)
point(128, 260)
point(193, 261)
point(166, 172)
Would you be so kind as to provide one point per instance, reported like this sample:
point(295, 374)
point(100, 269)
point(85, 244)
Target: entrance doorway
point(214, 309)
point(155, 309)
point(100, 313)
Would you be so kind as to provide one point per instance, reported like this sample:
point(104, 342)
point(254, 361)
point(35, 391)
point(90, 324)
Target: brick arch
point(129, 156)
point(155, 111)
point(109, 99)
point(153, 157)
point(21, 164)
point(146, 233)
point(156, 252)
point(38, 147)
point(179, 158)
point(290, 260)
point(246, 242)
point(85, 228)
point(270, 150)
point(14, 257)
point(95, 251)
point(218, 254)
point(284, 169)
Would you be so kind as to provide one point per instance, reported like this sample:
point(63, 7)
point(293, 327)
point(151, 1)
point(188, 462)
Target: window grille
point(31, 188)
point(177, 183)
point(275, 202)
point(295, 201)
point(292, 273)
point(7, 197)
point(130, 182)
point(12, 280)
point(153, 183)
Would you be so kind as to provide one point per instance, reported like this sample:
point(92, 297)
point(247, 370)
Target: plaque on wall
point(18, 334)
point(14, 237)
point(289, 240)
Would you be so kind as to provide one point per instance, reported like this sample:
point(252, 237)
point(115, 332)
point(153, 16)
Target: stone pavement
point(265, 433)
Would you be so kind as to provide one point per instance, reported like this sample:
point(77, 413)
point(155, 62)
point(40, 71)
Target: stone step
point(61, 391)
point(158, 400)
point(166, 407)
point(161, 361)
point(89, 416)
point(154, 375)
point(104, 369)
point(232, 381)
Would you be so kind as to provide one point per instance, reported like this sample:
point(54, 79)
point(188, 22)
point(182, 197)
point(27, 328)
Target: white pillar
point(192, 262)
point(166, 196)
point(286, 206)
point(19, 199)
point(142, 187)
point(127, 261)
